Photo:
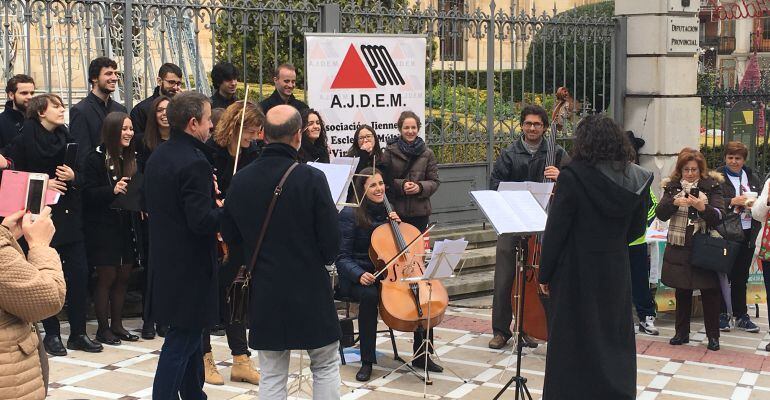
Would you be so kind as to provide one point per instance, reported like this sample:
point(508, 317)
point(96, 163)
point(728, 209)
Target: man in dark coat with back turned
point(600, 206)
point(292, 304)
point(183, 218)
point(87, 115)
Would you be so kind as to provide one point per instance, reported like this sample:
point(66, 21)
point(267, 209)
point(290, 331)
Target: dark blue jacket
point(11, 122)
point(86, 119)
point(354, 260)
point(179, 194)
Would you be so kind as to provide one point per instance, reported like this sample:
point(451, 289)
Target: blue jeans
point(640, 281)
point(180, 367)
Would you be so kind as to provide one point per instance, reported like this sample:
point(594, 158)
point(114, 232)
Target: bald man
point(291, 299)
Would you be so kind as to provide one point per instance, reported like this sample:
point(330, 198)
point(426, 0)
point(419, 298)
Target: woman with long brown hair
point(692, 202)
point(156, 132)
point(111, 240)
point(314, 147)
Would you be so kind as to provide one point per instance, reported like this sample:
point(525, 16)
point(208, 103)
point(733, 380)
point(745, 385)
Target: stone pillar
point(744, 28)
point(661, 105)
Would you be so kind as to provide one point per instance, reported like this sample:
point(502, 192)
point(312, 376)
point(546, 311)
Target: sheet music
point(541, 190)
point(445, 257)
point(511, 211)
point(338, 176)
point(345, 161)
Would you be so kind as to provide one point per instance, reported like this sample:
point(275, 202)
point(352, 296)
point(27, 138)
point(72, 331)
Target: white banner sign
point(354, 80)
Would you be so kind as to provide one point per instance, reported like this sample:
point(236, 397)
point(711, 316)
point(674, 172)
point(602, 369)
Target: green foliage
point(578, 51)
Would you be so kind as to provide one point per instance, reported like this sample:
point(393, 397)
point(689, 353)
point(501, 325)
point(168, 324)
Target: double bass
point(533, 322)
point(412, 305)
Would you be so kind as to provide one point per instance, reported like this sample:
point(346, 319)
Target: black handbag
point(238, 293)
point(731, 227)
point(713, 253)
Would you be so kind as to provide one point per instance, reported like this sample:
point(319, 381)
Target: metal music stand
point(426, 346)
point(522, 392)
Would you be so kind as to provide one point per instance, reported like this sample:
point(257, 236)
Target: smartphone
point(694, 192)
point(37, 184)
point(70, 154)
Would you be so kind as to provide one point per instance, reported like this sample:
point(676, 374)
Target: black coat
point(183, 219)
point(313, 152)
point(355, 240)
point(516, 164)
point(86, 119)
point(292, 304)
point(218, 101)
point(728, 192)
point(34, 151)
point(140, 111)
point(223, 162)
point(276, 99)
point(585, 261)
point(111, 234)
point(11, 122)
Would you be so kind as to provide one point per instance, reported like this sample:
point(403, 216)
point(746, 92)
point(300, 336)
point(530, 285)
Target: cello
point(405, 305)
point(533, 322)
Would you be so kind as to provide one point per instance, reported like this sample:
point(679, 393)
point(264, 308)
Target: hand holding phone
point(39, 231)
point(37, 185)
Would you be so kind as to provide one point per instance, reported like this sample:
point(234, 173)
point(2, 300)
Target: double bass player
point(524, 160)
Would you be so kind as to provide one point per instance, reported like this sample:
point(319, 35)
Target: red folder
point(13, 192)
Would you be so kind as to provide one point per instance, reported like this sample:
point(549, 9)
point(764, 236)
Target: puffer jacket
point(30, 289)
point(423, 171)
point(353, 259)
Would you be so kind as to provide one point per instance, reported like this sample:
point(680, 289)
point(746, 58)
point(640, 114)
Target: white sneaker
point(648, 326)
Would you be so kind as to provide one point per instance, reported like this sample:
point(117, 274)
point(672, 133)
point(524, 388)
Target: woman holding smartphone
point(41, 147)
point(111, 240)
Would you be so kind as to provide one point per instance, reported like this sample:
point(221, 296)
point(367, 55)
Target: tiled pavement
point(741, 370)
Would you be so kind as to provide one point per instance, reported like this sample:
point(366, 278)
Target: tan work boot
point(243, 370)
point(497, 342)
point(212, 376)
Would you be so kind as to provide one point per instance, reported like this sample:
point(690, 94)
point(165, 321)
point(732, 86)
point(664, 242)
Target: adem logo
point(353, 74)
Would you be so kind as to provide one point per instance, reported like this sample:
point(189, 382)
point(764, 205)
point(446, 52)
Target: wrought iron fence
point(481, 64)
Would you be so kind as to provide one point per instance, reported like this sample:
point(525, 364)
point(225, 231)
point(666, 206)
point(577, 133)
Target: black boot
point(84, 343)
point(148, 331)
point(162, 330)
point(54, 346)
point(419, 363)
point(679, 340)
point(365, 372)
point(713, 344)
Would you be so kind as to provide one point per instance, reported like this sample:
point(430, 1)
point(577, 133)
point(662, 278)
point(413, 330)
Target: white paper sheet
point(541, 191)
point(511, 211)
point(444, 258)
point(338, 176)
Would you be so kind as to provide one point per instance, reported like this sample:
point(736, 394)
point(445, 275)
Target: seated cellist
point(356, 270)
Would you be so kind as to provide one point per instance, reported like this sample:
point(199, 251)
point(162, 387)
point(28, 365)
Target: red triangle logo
point(352, 73)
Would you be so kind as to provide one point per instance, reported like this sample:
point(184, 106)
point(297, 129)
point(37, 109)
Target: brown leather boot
point(497, 342)
point(243, 370)
point(212, 376)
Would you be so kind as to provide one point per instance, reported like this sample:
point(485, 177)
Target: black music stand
point(522, 392)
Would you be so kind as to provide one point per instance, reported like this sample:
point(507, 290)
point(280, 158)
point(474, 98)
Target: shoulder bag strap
point(276, 193)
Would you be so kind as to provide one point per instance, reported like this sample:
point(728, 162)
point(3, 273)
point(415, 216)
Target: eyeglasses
point(173, 83)
point(691, 170)
point(365, 138)
point(533, 124)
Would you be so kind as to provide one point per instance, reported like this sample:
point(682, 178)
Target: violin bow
point(240, 131)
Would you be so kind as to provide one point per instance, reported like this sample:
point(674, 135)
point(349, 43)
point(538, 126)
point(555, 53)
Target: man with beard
point(523, 160)
point(169, 82)
point(285, 79)
point(224, 76)
point(87, 115)
point(20, 88)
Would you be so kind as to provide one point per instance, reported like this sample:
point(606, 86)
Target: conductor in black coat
point(292, 304)
point(183, 218)
point(600, 206)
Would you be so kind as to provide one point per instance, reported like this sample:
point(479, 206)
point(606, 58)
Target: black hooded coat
point(595, 213)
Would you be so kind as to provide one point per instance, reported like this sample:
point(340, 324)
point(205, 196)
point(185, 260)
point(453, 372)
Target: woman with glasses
point(692, 202)
point(366, 146)
point(314, 147)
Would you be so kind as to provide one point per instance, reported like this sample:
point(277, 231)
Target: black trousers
point(710, 299)
point(75, 268)
point(739, 276)
point(180, 367)
point(640, 281)
point(236, 339)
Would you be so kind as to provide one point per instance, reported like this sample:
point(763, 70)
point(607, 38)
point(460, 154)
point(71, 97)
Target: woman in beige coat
point(31, 289)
